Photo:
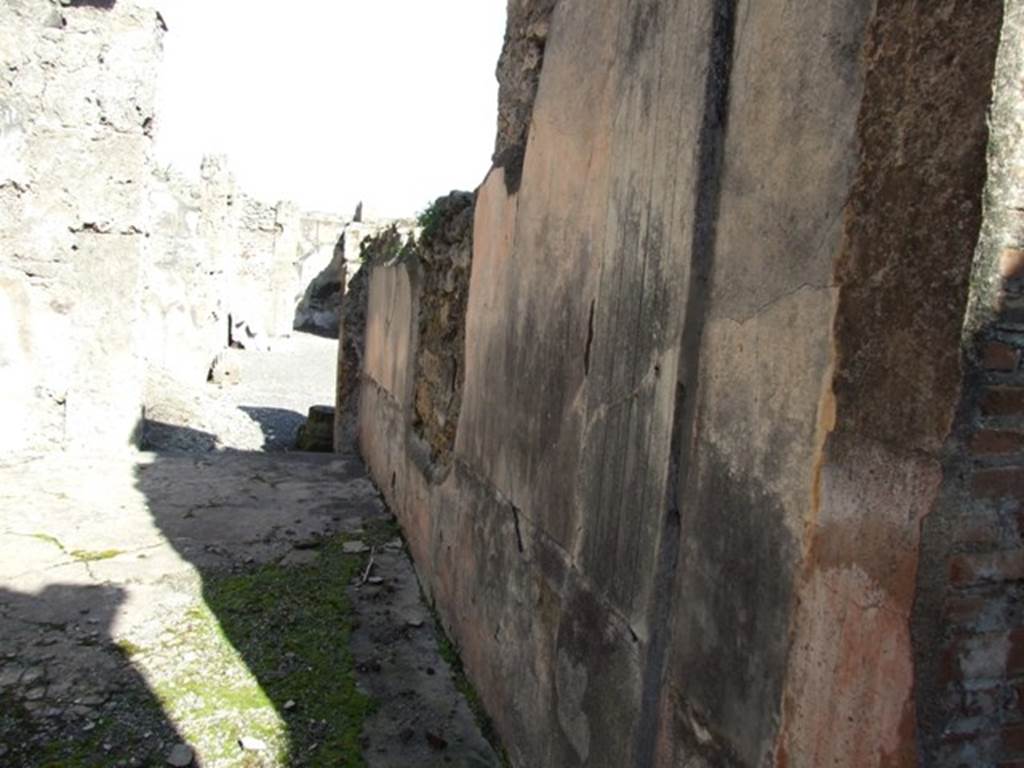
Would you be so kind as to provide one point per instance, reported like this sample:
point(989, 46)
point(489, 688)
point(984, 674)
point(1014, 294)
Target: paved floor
point(216, 608)
point(268, 397)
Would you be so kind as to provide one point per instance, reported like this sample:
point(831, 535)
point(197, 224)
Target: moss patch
point(48, 539)
point(267, 657)
point(90, 556)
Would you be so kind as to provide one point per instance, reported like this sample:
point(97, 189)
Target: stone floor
point(258, 407)
point(217, 608)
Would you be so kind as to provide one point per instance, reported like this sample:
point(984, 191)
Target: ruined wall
point(967, 616)
point(76, 113)
point(320, 307)
point(713, 360)
point(369, 247)
point(109, 270)
point(184, 314)
point(219, 255)
point(444, 252)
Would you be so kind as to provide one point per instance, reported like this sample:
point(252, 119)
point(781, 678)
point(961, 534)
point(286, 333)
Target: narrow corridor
point(217, 608)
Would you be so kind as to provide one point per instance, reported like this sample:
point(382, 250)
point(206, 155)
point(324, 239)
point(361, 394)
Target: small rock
point(181, 756)
point(289, 704)
point(10, 675)
point(394, 544)
point(30, 676)
point(35, 694)
point(251, 744)
point(414, 623)
point(355, 547)
point(375, 580)
point(89, 727)
point(300, 557)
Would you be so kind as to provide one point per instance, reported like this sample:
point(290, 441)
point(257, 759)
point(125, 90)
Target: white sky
point(328, 102)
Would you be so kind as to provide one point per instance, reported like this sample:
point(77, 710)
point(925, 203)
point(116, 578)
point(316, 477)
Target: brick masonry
point(983, 613)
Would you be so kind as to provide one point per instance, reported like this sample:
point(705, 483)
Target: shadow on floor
point(69, 694)
point(265, 536)
point(279, 425)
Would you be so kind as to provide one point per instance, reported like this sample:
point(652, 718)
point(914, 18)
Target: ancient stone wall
point(320, 307)
point(713, 362)
point(968, 624)
point(76, 114)
point(369, 248)
point(110, 269)
point(184, 316)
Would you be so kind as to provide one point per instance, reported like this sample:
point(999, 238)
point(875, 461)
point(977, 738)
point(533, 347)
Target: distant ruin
point(115, 269)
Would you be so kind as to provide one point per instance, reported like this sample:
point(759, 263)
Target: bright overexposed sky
point(329, 102)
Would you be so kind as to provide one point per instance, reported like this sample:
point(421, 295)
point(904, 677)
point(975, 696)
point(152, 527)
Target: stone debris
point(252, 744)
point(355, 547)
point(181, 756)
point(317, 433)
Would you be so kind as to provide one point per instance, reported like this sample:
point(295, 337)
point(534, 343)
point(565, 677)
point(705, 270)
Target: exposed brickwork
point(998, 356)
point(983, 665)
point(1002, 401)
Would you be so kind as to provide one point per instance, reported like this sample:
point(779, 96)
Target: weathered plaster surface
point(712, 358)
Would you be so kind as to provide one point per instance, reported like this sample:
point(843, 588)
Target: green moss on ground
point(265, 655)
point(272, 662)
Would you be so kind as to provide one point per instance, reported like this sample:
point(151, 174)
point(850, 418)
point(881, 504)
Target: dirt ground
point(220, 603)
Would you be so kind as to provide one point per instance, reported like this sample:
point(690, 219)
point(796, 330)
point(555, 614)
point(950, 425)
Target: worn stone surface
point(682, 521)
point(121, 645)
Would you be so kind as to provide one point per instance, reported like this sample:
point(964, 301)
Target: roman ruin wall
point(717, 388)
point(76, 114)
point(115, 271)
